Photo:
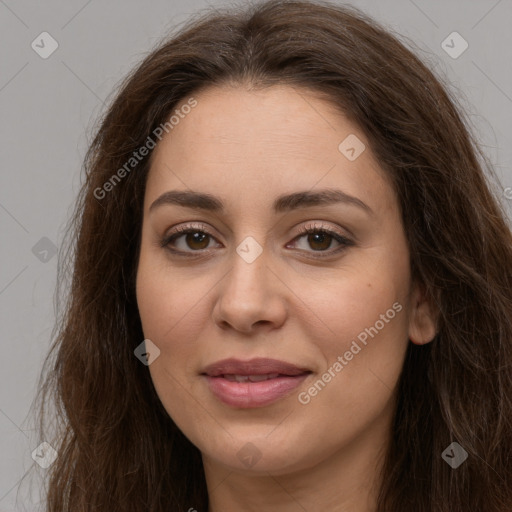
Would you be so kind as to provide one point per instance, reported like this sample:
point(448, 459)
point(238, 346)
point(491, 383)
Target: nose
point(251, 297)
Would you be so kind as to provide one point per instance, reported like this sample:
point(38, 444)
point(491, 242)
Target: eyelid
point(343, 241)
point(318, 226)
point(177, 232)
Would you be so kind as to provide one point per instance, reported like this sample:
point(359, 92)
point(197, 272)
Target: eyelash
point(306, 230)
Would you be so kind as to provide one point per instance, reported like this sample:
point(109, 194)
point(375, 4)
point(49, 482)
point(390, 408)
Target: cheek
point(364, 338)
point(172, 312)
point(171, 316)
point(168, 302)
point(361, 296)
point(175, 310)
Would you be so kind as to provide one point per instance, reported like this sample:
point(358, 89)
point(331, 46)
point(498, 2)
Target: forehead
point(258, 142)
point(273, 120)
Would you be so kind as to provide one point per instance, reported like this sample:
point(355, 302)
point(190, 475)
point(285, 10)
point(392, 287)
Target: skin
point(247, 148)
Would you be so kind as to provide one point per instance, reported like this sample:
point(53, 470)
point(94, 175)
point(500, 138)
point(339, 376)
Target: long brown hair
point(118, 448)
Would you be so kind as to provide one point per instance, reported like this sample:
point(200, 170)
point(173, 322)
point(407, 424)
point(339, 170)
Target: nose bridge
point(249, 266)
point(249, 293)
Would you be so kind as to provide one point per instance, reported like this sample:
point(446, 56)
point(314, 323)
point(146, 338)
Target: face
point(275, 281)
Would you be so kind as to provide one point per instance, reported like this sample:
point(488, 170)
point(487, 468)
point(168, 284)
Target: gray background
point(47, 112)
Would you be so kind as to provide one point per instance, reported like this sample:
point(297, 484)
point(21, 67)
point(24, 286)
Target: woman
point(292, 286)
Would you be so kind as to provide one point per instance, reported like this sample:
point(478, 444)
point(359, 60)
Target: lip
point(253, 394)
point(257, 366)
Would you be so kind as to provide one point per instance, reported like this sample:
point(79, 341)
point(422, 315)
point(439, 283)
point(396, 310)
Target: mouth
point(254, 383)
point(250, 378)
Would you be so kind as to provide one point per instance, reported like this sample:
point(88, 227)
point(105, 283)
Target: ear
point(423, 316)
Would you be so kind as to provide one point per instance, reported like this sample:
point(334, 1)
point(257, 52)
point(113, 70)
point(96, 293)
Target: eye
point(187, 240)
point(320, 239)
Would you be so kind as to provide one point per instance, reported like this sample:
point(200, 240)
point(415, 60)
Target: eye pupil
point(320, 238)
point(197, 238)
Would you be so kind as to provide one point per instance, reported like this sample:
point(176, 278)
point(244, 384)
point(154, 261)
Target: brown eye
point(187, 240)
point(191, 241)
point(319, 241)
point(196, 240)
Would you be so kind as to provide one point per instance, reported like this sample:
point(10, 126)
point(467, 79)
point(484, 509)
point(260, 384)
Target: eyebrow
point(284, 203)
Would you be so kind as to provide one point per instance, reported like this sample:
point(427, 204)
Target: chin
point(261, 454)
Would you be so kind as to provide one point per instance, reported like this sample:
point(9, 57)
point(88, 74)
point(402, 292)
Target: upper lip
point(258, 366)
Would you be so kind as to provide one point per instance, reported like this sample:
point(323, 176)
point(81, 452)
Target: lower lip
point(253, 394)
